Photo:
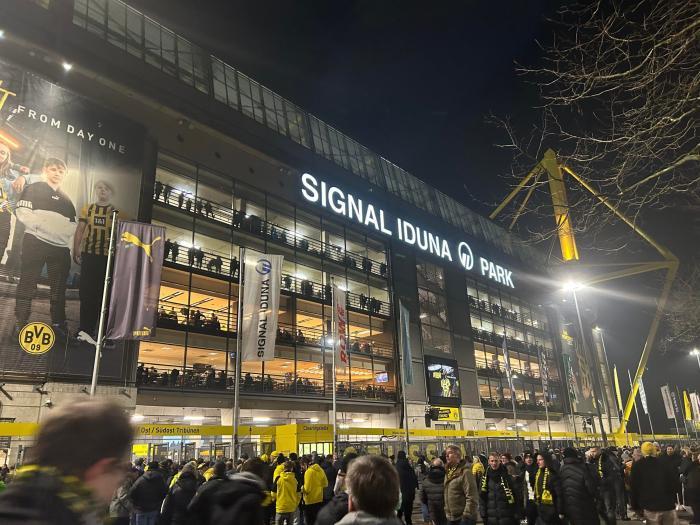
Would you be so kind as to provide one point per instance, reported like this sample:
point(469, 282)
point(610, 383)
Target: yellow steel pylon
point(569, 251)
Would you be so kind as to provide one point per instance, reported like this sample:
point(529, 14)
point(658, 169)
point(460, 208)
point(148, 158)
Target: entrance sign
point(371, 216)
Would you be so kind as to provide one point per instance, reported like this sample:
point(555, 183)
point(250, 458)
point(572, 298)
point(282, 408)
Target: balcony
point(504, 313)
point(206, 379)
point(174, 198)
point(520, 404)
point(494, 339)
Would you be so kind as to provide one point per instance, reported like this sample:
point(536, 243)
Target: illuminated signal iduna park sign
point(367, 214)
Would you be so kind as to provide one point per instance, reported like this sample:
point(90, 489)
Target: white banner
point(340, 327)
point(668, 404)
point(695, 402)
point(261, 299)
point(643, 396)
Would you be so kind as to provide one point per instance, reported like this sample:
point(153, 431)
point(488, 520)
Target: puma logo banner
point(138, 262)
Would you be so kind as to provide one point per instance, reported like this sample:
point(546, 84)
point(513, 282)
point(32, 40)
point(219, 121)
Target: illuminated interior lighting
point(313, 420)
point(136, 418)
point(67, 66)
point(261, 419)
point(193, 418)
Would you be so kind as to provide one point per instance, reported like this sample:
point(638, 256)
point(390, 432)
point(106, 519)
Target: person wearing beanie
point(579, 489)
point(653, 488)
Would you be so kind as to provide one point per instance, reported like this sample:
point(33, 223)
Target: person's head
point(648, 449)
point(54, 171)
point(5, 156)
point(89, 440)
point(280, 459)
point(637, 454)
point(255, 466)
point(219, 469)
point(453, 454)
point(542, 461)
point(188, 471)
point(153, 465)
point(594, 452)
point(437, 463)
point(401, 454)
point(670, 450)
point(289, 466)
point(505, 458)
point(570, 452)
point(372, 484)
point(293, 456)
point(494, 461)
point(347, 459)
point(103, 191)
point(528, 459)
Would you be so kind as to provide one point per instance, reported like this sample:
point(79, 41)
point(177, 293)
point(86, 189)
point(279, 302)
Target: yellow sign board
point(448, 414)
point(140, 449)
point(36, 338)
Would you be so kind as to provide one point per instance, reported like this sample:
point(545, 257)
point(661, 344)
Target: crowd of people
point(87, 481)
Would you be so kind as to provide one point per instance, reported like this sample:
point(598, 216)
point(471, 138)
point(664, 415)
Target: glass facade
point(208, 218)
point(142, 37)
point(495, 314)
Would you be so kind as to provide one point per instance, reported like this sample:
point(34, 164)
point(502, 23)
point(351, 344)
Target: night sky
point(416, 85)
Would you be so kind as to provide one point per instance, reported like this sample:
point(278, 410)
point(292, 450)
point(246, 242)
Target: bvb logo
point(36, 338)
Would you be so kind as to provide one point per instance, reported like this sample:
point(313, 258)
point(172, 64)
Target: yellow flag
point(686, 405)
point(617, 389)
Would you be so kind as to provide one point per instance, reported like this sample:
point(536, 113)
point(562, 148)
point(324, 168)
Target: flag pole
point(334, 396)
point(236, 379)
point(636, 410)
point(545, 391)
point(403, 381)
point(509, 373)
point(103, 309)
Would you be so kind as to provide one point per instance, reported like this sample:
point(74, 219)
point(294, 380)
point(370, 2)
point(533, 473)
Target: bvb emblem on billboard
point(36, 338)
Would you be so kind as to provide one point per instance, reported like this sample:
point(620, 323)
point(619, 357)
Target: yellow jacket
point(278, 470)
point(209, 473)
point(286, 495)
point(478, 469)
point(314, 482)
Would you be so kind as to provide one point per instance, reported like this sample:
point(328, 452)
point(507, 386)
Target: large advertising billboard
point(578, 372)
point(65, 164)
point(442, 380)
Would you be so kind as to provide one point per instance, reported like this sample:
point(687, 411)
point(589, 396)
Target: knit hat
point(648, 449)
point(570, 452)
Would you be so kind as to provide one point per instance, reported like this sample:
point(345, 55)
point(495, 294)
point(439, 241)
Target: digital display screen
point(442, 378)
point(382, 377)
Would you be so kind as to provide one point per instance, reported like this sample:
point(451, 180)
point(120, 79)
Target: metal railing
point(505, 313)
point(156, 376)
point(145, 39)
point(230, 217)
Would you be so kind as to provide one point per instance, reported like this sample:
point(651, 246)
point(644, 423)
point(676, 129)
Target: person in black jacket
point(432, 493)
point(608, 473)
point(146, 495)
point(499, 501)
point(202, 502)
point(547, 488)
point(692, 486)
point(579, 489)
point(653, 487)
point(529, 470)
point(409, 484)
point(175, 507)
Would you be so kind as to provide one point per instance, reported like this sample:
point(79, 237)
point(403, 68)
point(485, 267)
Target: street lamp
point(696, 353)
point(573, 287)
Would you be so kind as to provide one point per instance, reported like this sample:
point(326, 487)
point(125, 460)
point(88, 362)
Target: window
point(430, 276)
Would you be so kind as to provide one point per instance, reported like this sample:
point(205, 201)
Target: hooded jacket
point(433, 493)
point(499, 503)
point(579, 489)
point(240, 500)
point(407, 479)
point(286, 493)
point(175, 507)
point(461, 493)
point(364, 518)
point(315, 482)
point(202, 502)
point(653, 485)
point(148, 491)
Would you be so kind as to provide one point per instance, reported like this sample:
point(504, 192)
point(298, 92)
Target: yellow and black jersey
point(98, 220)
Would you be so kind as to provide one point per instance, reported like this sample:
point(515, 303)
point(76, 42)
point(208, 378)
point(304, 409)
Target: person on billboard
point(90, 248)
point(48, 216)
point(12, 179)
